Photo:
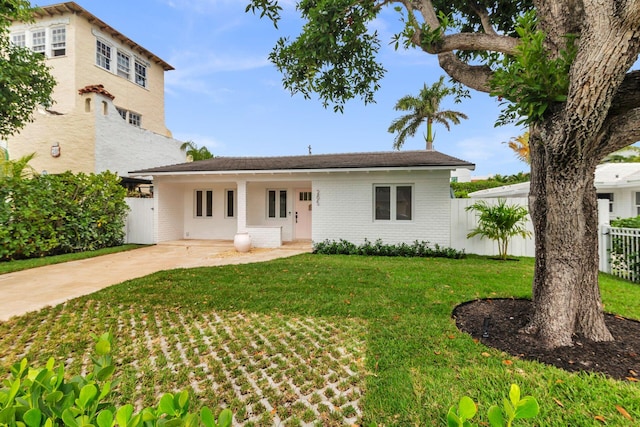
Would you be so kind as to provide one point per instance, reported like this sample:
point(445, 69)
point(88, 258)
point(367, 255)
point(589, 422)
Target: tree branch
point(628, 95)
point(484, 18)
point(474, 41)
point(474, 76)
point(619, 132)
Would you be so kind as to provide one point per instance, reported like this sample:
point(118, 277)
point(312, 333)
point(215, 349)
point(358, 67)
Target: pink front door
point(303, 209)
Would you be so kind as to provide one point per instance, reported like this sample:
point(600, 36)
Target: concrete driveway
point(29, 290)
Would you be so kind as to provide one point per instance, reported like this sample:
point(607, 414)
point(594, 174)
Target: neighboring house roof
point(608, 176)
point(73, 7)
point(347, 161)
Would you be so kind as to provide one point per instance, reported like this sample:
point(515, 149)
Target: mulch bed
point(618, 359)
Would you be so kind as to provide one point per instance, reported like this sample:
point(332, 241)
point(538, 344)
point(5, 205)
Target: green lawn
point(330, 340)
point(25, 264)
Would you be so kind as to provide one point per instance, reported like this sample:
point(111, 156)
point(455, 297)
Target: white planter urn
point(242, 242)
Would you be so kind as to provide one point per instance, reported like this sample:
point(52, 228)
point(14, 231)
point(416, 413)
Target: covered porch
point(270, 209)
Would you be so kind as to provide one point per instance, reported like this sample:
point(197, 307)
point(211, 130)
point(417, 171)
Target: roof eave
point(73, 7)
point(304, 171)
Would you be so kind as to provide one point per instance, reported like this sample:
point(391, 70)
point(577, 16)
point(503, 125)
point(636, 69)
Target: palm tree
point(424, 107)
point(520, 145)
point(195, 152)
point(18, 168)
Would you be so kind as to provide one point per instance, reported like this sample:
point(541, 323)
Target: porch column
point(242, 206)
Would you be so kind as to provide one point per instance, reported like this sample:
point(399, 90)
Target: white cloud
point(195, 72)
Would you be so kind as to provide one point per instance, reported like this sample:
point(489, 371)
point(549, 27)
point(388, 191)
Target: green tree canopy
point(25, 79)
point(195, 152)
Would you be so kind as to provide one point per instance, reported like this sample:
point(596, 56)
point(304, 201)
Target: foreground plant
point(500, 222)
point(514, 408)
point(43, 398)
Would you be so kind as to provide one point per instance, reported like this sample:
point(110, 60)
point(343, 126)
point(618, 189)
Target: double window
point(19, 39)
point(58, 41)
point(131, 117)
point(43, 40)
point(103, 55)
point(141, 74)
point(276, 204)
point(123, 65)
point(393, 202)
point(203, 207)
point(39, 41)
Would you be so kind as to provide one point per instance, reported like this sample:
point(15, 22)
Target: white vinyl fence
point(463, 221)
point(139, 227)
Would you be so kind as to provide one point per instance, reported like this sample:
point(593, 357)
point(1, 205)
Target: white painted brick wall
point(169, 210)
point(121, 147)
point(343, 208)
point(265, 237)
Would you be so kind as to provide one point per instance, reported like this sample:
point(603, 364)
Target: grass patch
point(323, 340)
point(25, 264)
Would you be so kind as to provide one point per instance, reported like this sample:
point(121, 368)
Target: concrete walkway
point(29, 290)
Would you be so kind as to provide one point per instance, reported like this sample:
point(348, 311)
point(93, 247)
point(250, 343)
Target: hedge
point(55, 214)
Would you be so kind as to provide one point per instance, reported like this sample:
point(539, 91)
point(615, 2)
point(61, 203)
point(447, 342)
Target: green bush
point(54, 214)
point(633, 222)
point(377, 248)
point(44, 398)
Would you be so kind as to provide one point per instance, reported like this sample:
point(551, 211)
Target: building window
point(393, 202)
point(103, 55)
point(135, 119)
point(123, 113)
point(19, 39)
point(141, 74)
point(203, 203)
point(609, 197)
point(277, 203)
point(38, 39)
point(230, 202)
point(305, 196)
point(58, 41)
point(123, 65)
point(637, 203)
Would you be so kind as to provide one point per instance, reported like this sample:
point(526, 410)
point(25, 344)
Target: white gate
point(140, 221)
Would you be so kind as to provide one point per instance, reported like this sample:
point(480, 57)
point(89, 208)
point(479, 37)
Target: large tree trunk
point(563, 208)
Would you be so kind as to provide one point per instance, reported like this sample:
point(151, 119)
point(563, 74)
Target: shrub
point(500, 222)
point(626, 222)
point(53, 214)
point(377, 248)
point(44, 398)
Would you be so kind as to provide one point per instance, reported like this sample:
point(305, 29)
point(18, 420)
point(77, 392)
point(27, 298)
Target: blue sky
point(225, 94)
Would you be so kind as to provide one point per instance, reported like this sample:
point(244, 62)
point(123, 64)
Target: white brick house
point(399, 196)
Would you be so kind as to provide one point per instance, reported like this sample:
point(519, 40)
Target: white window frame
point(393, 203)
point(232, 205)
point(103, 54)
point(135, 119)
point(19, 39)
point(39, 40)
point(123, 64)
point(140, 73)
point(203, 203)
point(279, 211)
point(58, 41)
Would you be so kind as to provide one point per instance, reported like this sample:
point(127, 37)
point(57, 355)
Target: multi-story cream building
point(109, 98)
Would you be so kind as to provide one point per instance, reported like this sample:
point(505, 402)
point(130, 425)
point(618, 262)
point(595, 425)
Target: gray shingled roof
point(383, 160)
